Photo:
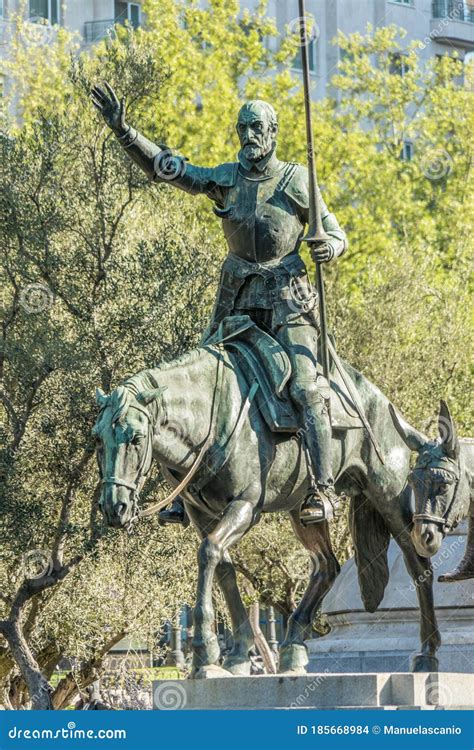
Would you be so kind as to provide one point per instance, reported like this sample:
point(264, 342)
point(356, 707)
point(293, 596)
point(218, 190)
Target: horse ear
point(447, 431)
point(414, 439)
point(146, 397)
point(100, 397)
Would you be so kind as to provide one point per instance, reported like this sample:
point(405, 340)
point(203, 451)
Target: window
point(48, 9)
point(398, 65)
point(127, 12)
point(456, 10)
point(407, 151)
point(311, 57)
point(404, 2)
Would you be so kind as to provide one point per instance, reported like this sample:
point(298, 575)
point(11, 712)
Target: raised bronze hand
point(111, 109)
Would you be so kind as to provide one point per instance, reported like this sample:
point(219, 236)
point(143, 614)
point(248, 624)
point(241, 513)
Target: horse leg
point(316, 539)
point(237, 519)
point(421, 572)
point(237, 661)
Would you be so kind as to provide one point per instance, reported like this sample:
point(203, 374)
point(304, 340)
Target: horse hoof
point(237, 668)
point(206, 652)
point(209, 672)
point(293, 672)
point(293, 659)
point(425, 663)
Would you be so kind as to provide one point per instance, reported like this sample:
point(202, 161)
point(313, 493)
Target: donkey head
point(434, 479)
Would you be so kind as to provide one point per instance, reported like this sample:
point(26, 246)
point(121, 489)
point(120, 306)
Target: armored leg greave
point(309, 391)
point(316, 431)
point(322, 501)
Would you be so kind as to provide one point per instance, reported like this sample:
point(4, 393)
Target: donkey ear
point(447, 431)
point(146, 397)
point(100, 397)
point(414, 439)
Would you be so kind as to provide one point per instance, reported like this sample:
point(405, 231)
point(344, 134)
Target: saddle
point(262, 358)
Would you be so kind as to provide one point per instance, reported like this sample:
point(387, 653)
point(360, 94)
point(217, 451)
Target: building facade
point(90, 18)
point(444, 26)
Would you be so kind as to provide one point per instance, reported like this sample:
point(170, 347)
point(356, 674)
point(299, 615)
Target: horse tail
point(371, 539)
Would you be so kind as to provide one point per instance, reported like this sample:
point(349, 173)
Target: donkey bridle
point(445, 520)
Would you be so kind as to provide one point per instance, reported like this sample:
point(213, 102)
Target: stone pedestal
point(317, 691)
point(387, 639)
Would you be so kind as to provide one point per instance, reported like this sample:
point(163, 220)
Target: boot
point(322, 501)
point(465, 568)
point(173, 513)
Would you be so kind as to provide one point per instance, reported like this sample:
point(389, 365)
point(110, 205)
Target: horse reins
point(152, 509)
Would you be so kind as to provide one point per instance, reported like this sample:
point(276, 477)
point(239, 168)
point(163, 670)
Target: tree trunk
point(38, 686)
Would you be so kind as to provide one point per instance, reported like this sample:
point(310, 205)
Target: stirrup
point(321, 504)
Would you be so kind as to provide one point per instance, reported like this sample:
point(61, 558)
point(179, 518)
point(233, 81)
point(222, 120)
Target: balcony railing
point(94, 31)
point(455, 10)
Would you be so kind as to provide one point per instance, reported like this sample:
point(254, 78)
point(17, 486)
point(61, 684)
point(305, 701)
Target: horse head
point(124, 442)
point(435, 480)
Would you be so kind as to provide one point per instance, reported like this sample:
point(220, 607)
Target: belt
point(291, 264)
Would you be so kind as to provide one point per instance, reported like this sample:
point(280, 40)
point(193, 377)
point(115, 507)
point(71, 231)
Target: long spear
point(315, 234)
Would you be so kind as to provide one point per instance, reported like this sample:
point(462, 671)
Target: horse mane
point(188, 358)
point(121, 396)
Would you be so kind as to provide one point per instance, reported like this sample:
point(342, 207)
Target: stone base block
point(318, 691)
point(388, 641)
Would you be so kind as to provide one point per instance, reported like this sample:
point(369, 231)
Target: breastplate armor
point(260, 221)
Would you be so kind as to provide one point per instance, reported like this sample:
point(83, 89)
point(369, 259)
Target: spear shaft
point(315, 234)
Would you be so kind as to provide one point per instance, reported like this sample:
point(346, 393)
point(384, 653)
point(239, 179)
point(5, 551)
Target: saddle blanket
point(262, 357)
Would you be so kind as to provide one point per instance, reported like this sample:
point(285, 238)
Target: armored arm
point(142, 151)
point(162, 165)
point(338, 242)
point(159, 164)
point(297, 189)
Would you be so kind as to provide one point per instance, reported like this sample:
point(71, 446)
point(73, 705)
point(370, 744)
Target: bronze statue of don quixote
point(267, 373)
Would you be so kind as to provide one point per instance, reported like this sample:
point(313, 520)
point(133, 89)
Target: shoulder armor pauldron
point(225, 175)
point(296, 184)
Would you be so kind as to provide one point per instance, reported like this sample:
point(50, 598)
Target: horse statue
point(443, 485)
point(198, 418)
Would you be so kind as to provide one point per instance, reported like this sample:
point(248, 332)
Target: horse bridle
point(138, 513)
point(136, 486)
point(445, 521)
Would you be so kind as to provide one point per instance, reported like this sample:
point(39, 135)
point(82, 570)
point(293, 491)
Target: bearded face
point(256, 133)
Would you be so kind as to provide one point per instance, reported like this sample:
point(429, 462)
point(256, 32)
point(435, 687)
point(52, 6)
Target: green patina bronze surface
point(262, 472)
point(263, 205)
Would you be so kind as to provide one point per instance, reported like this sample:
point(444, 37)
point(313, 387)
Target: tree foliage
point(105, 275)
